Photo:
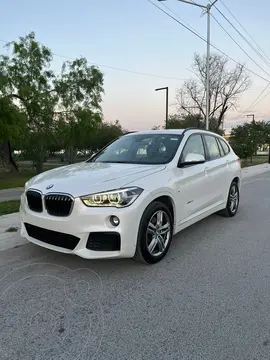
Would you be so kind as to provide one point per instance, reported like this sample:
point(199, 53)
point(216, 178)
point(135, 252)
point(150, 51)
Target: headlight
point(114, 198)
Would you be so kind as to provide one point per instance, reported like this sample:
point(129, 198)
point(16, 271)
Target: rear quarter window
point(224, 146)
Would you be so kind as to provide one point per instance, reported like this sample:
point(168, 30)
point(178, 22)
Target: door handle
point(206, 170)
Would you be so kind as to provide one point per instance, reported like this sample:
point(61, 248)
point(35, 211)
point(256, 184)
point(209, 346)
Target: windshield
point(140, 149)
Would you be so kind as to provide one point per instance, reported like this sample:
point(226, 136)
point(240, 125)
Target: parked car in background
point(130, 198)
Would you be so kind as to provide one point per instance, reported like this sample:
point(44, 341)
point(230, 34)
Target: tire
point(150, 248)
point(233, 195)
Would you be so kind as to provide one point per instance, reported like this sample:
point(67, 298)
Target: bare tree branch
point(226, 85)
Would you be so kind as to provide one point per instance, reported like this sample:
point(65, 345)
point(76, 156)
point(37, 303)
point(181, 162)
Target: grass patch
point(9, 180)
point(256, 160)
point(9, 207)
point(13, 180)
point(12, 229)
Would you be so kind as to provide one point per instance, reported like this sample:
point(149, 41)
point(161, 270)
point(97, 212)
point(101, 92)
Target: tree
point(28, 80)
point(245, 139)
point(79, 88)
point(107, 132)
point(183, 121)
point(77, 131)
point(12, 127)
point(68, 103)
point(226, 86)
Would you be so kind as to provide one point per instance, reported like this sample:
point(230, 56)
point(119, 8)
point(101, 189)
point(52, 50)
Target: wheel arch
point(237, 180)
point(169, 202)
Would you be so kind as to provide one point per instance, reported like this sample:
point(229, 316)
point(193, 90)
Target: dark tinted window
point(225, 147)
point(140, 149)
point(193, 145)
point(212, 146)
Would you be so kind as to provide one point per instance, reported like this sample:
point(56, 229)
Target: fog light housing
point(114, 220)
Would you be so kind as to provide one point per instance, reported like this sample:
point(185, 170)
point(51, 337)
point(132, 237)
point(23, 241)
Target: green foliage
point(12, 121)
point(79, 88)
point(182, 121)
point(245, 139)
point(106, 133)
point(76, 131)
point(43, 110)
point(28, 80)
point(79, 85)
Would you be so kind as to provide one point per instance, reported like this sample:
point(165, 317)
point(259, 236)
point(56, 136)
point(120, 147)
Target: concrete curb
point(9, 240)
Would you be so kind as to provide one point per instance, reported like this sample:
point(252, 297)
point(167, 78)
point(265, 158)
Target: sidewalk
point(11, 194)
point(9, 240)
point(255, 170)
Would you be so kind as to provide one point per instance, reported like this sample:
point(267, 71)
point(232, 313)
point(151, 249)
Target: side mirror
point(192, 159)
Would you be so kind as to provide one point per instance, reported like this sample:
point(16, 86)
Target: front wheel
point(155, 233)
point(232, 201)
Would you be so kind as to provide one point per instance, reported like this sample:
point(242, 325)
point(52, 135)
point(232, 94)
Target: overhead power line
point(248, 34)
point(115, 68)
point(244, 38)
point(203, 39)
point(183, 21)
point(199, 36)
point(257, 100)
point(244, 51)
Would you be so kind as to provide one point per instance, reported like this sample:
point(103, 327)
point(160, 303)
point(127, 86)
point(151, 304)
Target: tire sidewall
point(141, 242)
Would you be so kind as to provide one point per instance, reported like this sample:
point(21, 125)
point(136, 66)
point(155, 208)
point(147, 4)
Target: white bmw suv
point(130, 198)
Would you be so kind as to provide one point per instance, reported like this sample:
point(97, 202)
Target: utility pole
point(207, 9)
point(167, 104)
point(253, 128)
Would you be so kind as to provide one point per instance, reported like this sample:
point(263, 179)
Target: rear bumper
point(82, 222)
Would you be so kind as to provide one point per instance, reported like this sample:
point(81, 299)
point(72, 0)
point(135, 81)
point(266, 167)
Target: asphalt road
point(208, 299)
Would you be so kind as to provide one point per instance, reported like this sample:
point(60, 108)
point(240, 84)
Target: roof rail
point(194, 128)
point(130, 132)
point(190, 128)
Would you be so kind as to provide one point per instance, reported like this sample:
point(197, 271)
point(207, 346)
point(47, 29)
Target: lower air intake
point(52, 237)
point(104, 241)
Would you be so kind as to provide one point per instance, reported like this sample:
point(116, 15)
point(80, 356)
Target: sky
point(133, 35)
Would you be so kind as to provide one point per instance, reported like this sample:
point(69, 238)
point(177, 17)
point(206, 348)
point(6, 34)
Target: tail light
point(239, 161)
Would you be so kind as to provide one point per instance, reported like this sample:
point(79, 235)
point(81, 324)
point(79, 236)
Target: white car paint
point(196, 192)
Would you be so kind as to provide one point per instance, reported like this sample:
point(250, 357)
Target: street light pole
point(253, 117)
point(167, 104)
point(208, 69)
point(207, 8)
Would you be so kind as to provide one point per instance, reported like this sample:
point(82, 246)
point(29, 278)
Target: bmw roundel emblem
point(49, 186)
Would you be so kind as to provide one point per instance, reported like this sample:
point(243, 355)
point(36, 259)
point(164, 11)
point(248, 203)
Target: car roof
point(146, 132)
point(171, 131)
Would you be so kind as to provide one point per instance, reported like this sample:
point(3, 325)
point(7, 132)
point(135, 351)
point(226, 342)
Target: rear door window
point(212, 146)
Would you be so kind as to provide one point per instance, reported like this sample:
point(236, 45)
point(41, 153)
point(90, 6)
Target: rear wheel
point(232, 201)
point(155, 233)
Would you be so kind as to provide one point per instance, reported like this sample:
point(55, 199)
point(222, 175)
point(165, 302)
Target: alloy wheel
point(234, 198)
point(158, 233)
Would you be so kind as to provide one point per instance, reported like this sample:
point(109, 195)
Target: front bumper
point(85, 220)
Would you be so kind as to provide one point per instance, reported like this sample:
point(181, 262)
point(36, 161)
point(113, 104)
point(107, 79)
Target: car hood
point(86, 178)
